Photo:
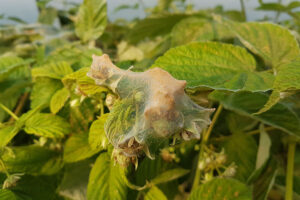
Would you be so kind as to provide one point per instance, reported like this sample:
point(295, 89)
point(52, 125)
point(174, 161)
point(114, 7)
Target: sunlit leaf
point(12, 66)
point(55, 70)
point(154, 26)
point(287, 79)
point(215, 65)
point(91, 20)
point(43, 90)
point(77, 148)
point(198, 29)
point(105, 181)
point(10, 96)
point(275, 44)
point(6, 134)
point(85, 84)
point(47, 125)
point(154, 193)
point(59, 99)
point(97, 137)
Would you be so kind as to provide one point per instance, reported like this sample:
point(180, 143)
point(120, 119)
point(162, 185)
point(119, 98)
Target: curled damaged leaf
point(152, 108)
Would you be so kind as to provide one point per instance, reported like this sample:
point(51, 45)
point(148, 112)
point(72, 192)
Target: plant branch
point(243, 9)
point(203, 143)
point(258, 131)
point(290, 170)
point(211, 126)
point(20, 105)
point(9, 111)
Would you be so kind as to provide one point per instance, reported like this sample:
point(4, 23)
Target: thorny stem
point(203, 143)
point(20, 105)
point(290, 170)
point(9, 111)
point(243, 9)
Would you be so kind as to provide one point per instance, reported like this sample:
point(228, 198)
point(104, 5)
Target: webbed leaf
point(152, 108)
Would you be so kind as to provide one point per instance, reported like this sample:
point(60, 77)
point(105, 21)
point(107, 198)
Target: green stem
point(198, 171)
point(101, 107)
point(278, 13)
point(243, 9)
point(202, 145)
point(211, 126)
point(92, 44)
point(4, 168)
point(290, 170)
point(9, 111)
point(20, 105)
point(258, 131)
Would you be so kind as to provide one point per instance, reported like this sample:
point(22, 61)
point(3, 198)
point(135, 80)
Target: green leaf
point(275, 44)
point(198, 29)
point(47, 125)
point(264, 146)
point(149, 169)
point(169, 175)
point(13, 66)
point(91, 20)
point(6, 194)
point(37, 187)
point(77, 56)
point(105, 181)
point(287, 79)
point(55, 70)
point(221, 189)
point(75, 180)
point(245, 103)
point(240, 123)
point(97, 137)
point(9, 96)
point(264, 183)
point(85, 84)
point(215, 65)
point(77, 148)
point(241, 149)
point(31, 159)
point(154, 26)
point(263, 154)
point(6, 134)
point(43, 90)
point(47, 15)
point(271, 7)
point(59, 99)
point(154, 194)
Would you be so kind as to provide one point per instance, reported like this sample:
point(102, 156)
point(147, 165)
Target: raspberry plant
point(184, 104)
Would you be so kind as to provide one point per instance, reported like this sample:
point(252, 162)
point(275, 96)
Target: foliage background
point(52, 142)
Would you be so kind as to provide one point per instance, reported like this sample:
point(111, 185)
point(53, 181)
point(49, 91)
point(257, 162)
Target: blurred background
point(27, 10)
